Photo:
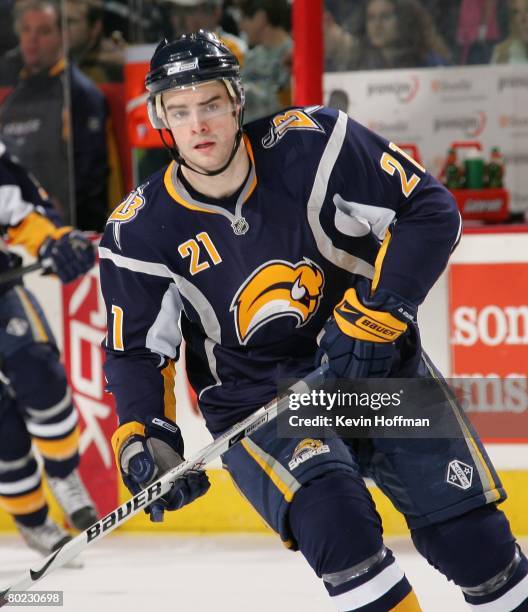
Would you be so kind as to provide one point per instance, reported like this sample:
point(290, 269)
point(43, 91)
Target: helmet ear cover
point(156, 113)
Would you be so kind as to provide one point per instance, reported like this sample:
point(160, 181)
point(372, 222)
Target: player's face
point(79, 32)
point(382, 24)
point(203, 123)
point(519, 11)
point(40, 38)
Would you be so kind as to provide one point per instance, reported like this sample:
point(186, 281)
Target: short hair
point(278, 12)
point(21, 8)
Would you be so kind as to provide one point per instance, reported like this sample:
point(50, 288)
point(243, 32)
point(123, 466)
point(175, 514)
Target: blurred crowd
point(61, 64)
point(384, 34)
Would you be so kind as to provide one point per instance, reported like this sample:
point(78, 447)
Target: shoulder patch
point(292, 119)
point(126, 211)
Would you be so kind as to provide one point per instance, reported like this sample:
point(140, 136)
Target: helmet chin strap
point(176, 156)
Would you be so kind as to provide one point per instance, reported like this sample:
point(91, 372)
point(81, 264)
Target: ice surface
point(187, 573)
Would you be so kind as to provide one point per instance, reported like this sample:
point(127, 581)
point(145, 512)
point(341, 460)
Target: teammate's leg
point(38, 380)
point(21, 492)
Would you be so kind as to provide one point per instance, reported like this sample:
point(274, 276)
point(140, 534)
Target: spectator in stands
point(8, 39)
point(339, 44)
point(230, 19)
point(514, 50)
point(193, 15)
point(37, 121)
point(267, 70)
point(478, 31)
point(398, 34)
point(99, 57)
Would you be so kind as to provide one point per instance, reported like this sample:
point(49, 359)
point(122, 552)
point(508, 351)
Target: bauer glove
point(358, 341)
point(69, 255)
point(144, 452)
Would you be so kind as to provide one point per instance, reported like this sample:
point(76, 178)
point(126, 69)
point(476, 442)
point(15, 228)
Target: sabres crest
point(292, 119)
point(126, 211)
point(306, 449)
point(277, 289)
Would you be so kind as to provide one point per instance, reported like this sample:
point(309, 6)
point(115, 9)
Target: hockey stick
point(15, 273)
point(161, 486)
point(46, 265)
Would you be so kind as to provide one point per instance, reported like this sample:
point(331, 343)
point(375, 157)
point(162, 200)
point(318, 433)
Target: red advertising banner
point(84, 326)
point(140, 133)
point(488, 313)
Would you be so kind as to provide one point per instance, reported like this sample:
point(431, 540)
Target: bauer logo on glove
point(356, 320)
point(358, 341)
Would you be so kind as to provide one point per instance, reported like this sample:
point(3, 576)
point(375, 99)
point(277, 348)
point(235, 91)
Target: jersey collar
point(179, 194)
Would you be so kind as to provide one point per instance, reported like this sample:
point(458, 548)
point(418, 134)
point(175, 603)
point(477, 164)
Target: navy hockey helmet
point(188, 61)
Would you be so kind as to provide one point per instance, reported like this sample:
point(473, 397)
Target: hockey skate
point(47, 538)
point(74, 500)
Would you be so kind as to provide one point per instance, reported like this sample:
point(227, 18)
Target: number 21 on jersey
point(199, 260)
point(391, 165)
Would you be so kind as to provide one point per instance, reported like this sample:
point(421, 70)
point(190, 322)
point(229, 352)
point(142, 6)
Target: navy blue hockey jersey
point(248, 282)
point(27, 217)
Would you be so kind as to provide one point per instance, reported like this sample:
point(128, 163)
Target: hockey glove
point(358, 341)
point(144, 452)
point(68, 256)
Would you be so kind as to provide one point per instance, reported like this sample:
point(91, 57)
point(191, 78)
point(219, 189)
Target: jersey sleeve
point(143, 309)
point(410, 212)
point(26, 213)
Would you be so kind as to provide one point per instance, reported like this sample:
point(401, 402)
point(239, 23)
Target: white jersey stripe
point(135, 265)
point(48, 413)
point(14, 207)
point(186, 289)
point(53, 429)
point(16, 464)
point(21, 486)
point(340, 258)
point(509, 601)
point(368, 592)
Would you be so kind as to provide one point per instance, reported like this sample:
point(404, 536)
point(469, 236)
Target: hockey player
point(253, 242)
point(35, 401)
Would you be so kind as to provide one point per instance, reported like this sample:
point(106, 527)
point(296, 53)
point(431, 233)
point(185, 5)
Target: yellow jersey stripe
point(379, 259)
point(37, 326)
point(269, 465)
point(408, 604)
point(23, 504)
point(493, 492)
point(121, 435)
point(167, 179)
point(59, 449)
point(169, 186)
point(169, 396)
point(33, 230)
